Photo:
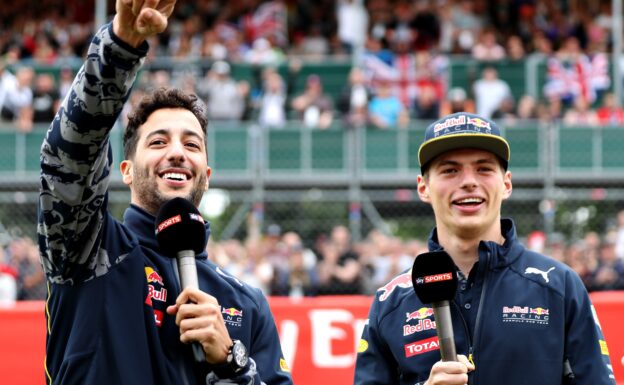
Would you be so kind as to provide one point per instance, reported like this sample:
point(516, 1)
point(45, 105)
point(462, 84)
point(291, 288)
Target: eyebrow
point(451, 162)
point(165, 132)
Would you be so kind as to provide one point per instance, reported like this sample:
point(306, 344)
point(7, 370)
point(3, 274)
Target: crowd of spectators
point(401, 72)
point(280, 263)
point(21, 275)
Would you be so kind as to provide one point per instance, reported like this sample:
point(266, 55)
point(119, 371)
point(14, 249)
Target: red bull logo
point(153, 276)
point(232, 311)
point(450, 122)
point(421, 326)
point(477, 122)
point(422, 313)
point(403, 281)
point(539, 311)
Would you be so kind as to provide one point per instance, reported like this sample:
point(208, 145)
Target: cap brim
point(434, 147)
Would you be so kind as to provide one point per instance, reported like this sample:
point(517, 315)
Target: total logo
point(422, 346)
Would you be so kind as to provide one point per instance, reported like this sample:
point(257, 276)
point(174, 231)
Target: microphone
point(434, 278)
point(181, 233)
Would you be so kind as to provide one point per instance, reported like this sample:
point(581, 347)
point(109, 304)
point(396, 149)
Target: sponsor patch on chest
point(422, 346)
point(525, 315)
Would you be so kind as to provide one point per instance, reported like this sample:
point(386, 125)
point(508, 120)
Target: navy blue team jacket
point(108, 284)
point(523, 318)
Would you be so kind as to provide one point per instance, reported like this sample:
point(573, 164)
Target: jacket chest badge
point(232, 316)
point(526, 315)
point(423, 320)
point(155, 287)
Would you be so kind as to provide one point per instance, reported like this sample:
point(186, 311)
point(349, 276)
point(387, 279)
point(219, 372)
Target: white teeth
point(470, 200)
point(174, 176)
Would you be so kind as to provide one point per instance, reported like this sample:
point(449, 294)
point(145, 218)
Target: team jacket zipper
point(475, 342)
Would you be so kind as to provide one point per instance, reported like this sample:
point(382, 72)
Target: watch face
point(240, 354)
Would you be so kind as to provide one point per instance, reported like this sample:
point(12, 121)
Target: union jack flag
point(584, 76)
point(268, 21)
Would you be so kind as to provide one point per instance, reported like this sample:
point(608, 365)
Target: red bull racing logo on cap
point(461, 123)
point(450, 122)
point(403, 281)
point(478, 122)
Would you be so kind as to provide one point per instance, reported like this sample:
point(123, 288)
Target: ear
point(508, 185)
point(126, 167)
point(423, 189)
point(208, 173)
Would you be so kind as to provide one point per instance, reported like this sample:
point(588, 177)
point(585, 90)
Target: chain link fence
point(275, 194)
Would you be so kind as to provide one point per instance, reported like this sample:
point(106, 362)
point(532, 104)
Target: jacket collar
point(141, 223)
point(503, 255)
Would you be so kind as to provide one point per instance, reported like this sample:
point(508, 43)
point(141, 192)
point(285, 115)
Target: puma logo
point(544, 274)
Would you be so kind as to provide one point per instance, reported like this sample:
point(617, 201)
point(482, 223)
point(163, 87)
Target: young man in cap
point(518, 317)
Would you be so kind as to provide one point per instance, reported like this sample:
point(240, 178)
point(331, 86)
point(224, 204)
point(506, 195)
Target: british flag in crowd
point(407, 74)
point(583, 76)
point(269, 21)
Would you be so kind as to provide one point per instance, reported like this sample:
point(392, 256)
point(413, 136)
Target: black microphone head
point(434, 277)
point(179, 226)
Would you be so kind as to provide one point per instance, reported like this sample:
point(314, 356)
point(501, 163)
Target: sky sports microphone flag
point(434, 278)
point(181, 233)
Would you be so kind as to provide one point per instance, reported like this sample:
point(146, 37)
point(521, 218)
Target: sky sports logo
point(434, 278)
point(168, 222)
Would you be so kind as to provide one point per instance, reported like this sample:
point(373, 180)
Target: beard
point(151, 199)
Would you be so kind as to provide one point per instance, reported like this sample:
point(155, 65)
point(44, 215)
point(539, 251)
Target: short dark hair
point(158, 99)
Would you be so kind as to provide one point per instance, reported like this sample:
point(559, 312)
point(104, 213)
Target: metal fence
point(308, 180)
point(568, 182)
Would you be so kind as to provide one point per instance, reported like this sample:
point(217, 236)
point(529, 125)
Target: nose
point(469, 179)
point(176, 151)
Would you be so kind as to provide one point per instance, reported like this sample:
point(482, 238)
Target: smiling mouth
point(473, 201)
point(175, 176)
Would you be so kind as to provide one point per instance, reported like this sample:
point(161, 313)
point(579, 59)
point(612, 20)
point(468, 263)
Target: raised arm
point(76, 156)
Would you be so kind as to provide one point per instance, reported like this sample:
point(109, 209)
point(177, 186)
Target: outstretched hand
point(137, 20)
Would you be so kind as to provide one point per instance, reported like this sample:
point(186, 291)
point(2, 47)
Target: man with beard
point(115, 312)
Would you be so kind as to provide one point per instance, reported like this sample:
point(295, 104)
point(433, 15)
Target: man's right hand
point(137, 20)
point(450, 372)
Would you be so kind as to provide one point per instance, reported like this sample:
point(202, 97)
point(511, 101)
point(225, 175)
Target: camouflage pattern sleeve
point(76, 160)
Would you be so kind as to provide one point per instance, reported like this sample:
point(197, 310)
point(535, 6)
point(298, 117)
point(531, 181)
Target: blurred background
point(317, 109)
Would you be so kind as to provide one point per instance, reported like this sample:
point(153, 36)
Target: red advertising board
point(318, 335)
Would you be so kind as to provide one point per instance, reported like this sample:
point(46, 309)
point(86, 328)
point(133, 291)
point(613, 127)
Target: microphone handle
point(187, 269)
point(188, 278)
point(444, 328)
